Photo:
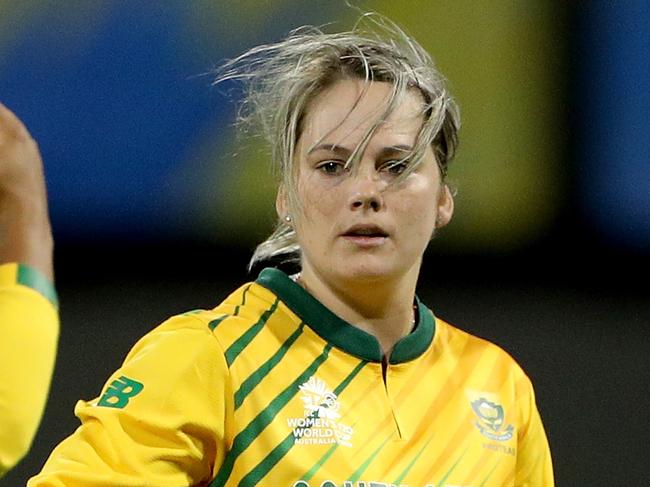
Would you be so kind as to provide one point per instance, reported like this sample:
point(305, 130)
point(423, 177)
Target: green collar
point(339, 332)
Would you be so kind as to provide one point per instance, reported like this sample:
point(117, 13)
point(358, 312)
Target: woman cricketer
point(337, 375)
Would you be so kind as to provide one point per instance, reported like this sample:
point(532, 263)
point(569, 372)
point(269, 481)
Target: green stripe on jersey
point(256, 377)
point(408, 468)
point(242, 342)
point(359, 472)
point(30, 277)
point(317, 466)
point(243, 300)
point(490, 473)
point(453, 467)
point(264, 418)
point(193, 312)
point(349, 378)
point(214, 323)
point(262, 468)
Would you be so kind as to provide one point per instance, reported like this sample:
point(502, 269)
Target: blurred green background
point(140, 148)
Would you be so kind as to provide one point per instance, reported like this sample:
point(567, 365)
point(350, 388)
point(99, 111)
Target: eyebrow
point(345, 152)
point(337, 149)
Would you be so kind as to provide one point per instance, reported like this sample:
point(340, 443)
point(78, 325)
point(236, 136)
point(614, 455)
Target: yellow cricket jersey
point(29, 328)
point(272, 389)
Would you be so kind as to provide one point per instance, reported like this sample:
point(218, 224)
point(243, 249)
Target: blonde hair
point(280, 79)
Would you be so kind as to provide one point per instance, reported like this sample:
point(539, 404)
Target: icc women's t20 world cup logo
point(322, 411)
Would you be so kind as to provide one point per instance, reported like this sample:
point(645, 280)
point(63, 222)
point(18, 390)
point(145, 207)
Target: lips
point(365, 230)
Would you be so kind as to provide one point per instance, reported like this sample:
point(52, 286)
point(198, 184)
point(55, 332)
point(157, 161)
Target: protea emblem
point(490, 420)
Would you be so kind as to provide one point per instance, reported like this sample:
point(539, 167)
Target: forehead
point(344, 112)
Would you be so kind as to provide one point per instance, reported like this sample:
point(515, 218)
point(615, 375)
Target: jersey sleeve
point(534, 466)
point(159, 422)
point(29, 329)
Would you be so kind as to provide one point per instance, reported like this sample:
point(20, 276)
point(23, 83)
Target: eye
point(395, 166)
point(331, 166)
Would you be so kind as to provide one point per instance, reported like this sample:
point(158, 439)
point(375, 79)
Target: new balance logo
point(119, 392)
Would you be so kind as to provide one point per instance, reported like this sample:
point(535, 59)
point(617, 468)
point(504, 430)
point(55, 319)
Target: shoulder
point(248, 305)
point(173, 360)
point(474, 349)
point(214, 329)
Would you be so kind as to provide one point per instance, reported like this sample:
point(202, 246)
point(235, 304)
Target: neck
point(382, 307)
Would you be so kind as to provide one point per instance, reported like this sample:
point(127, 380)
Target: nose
point(366, 193)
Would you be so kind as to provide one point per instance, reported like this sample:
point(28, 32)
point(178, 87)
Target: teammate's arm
point(28, 316)
point(159, 421)
point(26, 236)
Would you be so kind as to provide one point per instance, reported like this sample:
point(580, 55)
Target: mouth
point(365, 235)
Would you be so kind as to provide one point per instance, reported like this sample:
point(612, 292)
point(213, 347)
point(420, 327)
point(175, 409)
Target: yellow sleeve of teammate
point(29, 329)
point(160, 420)
point(534, 465)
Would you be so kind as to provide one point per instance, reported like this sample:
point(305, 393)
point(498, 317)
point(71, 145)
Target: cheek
point(418, 213)
point(422, 221)
point(317, 216)
point(317, 200)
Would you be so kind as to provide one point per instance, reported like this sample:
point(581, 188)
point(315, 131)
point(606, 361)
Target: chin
point(363, 272)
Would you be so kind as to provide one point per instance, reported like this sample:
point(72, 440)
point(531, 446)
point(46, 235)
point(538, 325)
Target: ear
point(445, 207)
point(281, 204)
